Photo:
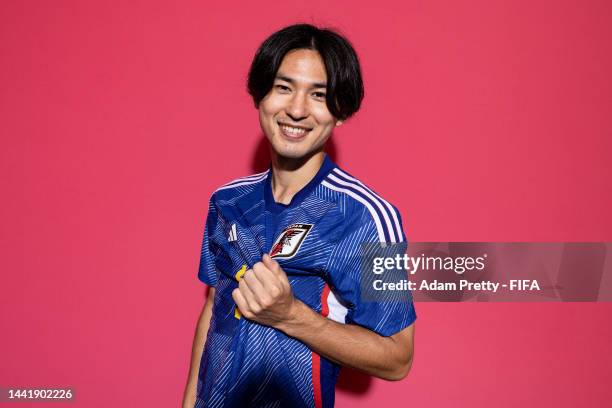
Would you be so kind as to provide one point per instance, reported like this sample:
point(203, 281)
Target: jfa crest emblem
point(289, 241)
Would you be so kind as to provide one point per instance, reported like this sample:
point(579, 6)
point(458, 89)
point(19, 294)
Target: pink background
point(483, 121)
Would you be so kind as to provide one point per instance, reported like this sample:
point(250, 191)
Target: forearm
point(349, 345)
point(200, 339)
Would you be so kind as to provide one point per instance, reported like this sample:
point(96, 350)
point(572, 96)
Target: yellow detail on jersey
point(239, 276)
point(241, 272)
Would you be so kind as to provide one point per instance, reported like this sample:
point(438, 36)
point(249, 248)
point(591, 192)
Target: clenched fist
point(264, 294)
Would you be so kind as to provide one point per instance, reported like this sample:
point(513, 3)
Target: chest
point(301, 239)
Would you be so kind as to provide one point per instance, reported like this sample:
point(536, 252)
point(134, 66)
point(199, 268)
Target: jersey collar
point(271, 205)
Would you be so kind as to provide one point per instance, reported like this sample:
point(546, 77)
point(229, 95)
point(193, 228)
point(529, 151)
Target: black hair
point(344, 83)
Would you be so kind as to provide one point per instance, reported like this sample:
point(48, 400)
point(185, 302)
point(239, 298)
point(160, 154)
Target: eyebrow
point(291, 81)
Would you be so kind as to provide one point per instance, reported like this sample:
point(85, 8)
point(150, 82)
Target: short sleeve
point(207, 272)
point(379, 301)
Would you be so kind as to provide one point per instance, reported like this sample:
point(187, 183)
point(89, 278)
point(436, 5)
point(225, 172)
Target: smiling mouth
point(293, 131)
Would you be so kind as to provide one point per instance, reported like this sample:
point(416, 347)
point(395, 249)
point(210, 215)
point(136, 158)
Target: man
point(283, 250)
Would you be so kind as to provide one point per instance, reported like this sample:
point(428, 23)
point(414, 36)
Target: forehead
point(303, 65)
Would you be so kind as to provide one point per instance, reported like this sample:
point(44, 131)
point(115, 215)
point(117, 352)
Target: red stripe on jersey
point(316, 359)
point(316, 380)
point(324, 305)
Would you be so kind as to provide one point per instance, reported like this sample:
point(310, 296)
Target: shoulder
point(362, 205)
point(240, 186)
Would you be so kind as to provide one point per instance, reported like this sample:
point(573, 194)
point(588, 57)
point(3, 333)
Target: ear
point(339, 122)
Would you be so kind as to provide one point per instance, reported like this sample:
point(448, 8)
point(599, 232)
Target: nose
point(297, 109)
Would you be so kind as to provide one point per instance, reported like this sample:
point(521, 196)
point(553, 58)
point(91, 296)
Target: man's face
point(294, 115)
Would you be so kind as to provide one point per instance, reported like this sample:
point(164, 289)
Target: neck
point(290, 175)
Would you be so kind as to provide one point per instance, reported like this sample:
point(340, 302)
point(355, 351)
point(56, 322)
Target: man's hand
point(264, 294)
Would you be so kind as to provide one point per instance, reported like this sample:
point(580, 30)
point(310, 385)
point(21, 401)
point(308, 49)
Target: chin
point(290, 154)
point(289, 150)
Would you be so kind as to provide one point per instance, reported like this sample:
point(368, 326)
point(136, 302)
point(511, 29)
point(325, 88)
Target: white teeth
point(293, 131)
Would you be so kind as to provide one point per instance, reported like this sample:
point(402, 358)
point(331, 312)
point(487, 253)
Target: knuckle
point(266, 302)
point(275, 291)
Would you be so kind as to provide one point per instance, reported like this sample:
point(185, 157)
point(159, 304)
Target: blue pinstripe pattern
point(245, 364)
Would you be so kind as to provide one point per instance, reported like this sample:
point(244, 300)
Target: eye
point(282, 88)
point(319, 95)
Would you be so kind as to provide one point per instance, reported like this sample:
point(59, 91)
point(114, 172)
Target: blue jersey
point(317, 240)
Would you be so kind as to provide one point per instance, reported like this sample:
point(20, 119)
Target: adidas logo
point(232, 234)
